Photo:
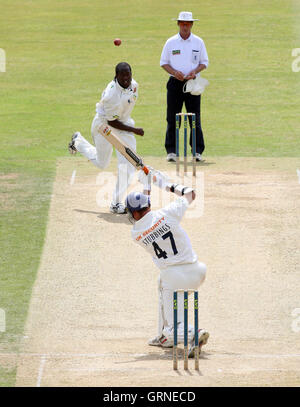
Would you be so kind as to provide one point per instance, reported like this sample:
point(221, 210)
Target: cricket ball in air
point(117, 42)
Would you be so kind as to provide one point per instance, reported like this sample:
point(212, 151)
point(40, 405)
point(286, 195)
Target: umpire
point(183, 57)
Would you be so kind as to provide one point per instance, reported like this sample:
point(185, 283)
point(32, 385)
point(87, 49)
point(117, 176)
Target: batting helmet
point(136, 201)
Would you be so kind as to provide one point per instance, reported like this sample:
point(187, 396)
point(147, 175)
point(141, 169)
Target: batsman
point(161, 235)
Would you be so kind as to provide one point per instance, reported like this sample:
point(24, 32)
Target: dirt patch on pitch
point(94, 303)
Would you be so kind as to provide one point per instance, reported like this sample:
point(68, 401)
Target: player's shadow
point(108, 217)
point(203, 163)
point(168, 356)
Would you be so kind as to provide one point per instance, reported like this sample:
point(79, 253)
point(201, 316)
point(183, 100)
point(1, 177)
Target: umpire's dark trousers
point(175, 99)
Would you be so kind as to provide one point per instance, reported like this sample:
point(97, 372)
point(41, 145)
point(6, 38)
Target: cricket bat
point(107, 132)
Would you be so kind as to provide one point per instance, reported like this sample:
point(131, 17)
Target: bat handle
point(145, 169)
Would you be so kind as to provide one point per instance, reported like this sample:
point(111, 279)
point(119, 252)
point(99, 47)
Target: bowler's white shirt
point(184, 55)
point(117, 102)
point(159, 232)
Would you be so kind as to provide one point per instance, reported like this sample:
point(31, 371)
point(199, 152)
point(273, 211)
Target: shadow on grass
point(203, 163)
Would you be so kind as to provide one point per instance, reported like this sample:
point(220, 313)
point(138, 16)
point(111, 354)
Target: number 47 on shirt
point(161, 253)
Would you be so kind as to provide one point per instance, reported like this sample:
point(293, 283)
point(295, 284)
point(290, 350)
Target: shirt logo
point(176, 51)
point(146, 232)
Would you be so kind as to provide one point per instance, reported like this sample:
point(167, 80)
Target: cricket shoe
point(154, 341)
point(71, 146)
point(119, 208)
point(203, 336)
point(199, 157)
point(171, 157)
point(161, 341)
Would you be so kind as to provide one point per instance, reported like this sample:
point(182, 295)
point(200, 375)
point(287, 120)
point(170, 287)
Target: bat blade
point(131, 156)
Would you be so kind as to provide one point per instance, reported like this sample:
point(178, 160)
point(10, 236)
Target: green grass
point(60, 56)
point(7, 377)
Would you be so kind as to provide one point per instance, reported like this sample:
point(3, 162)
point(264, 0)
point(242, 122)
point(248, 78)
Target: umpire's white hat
point(185, 16)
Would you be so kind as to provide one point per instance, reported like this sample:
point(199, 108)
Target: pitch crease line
point(72, 180)
point(97, 355)
point(41, 370)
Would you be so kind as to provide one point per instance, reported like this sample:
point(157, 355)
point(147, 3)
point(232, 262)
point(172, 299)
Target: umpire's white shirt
point(184, 55)
point(117, 102)
point(160, 233)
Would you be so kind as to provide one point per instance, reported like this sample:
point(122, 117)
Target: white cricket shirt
point(159, 232)
point(117, 102)
point(184, 55)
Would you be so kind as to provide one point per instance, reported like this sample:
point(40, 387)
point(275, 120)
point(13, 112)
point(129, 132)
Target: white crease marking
point(41, 370)
point(72, 180)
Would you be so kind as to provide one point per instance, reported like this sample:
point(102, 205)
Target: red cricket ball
point(117, 42)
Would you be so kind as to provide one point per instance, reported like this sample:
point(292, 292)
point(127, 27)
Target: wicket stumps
point(185, 318)
point(185, 120)
point(175, 356)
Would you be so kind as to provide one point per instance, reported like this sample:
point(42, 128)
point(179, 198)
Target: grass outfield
point(60, 55)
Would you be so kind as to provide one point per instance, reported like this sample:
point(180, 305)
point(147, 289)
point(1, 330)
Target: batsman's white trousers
point(100, 155)
point(182, 276)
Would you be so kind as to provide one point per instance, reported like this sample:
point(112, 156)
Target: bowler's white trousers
point(182, 276)
point(100, 155)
